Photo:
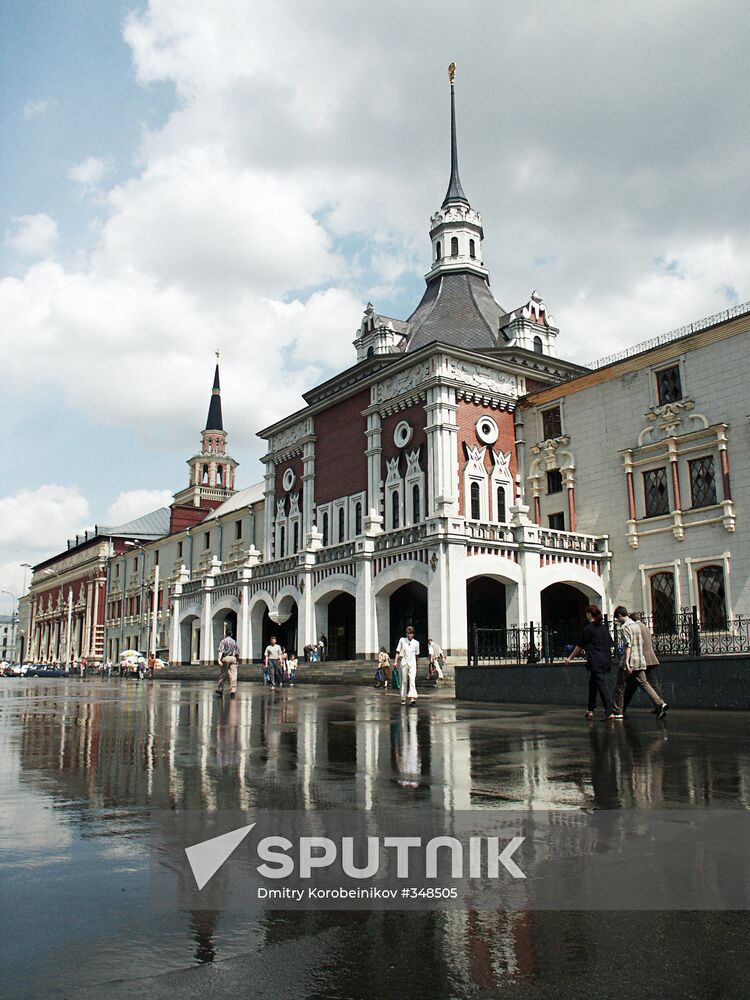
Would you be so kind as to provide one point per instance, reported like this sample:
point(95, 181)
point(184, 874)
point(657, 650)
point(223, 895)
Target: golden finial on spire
point(452, 73)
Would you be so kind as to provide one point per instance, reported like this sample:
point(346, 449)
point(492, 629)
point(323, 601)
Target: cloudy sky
point(245, 175)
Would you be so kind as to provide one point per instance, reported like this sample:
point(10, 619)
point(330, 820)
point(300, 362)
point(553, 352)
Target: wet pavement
point(83, 763)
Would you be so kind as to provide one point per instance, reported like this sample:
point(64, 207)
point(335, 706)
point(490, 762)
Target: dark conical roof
point(214, 421)
point(455, 192)
point(457, 308)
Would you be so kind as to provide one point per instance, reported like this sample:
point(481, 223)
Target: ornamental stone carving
point(291, 435)
point(402, 382)
point(481, 377)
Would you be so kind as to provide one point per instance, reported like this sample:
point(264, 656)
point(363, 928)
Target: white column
point(374, 471)
point(366, 632)
point(308, 488)
point(98, 588)
point(270, 509)
point(442, 450)
point(207, 651)
point(87, 650)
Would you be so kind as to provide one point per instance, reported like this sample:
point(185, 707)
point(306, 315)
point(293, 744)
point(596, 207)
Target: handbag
point(396, 679)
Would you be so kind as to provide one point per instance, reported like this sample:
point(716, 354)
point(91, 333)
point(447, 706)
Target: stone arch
point(335, 611)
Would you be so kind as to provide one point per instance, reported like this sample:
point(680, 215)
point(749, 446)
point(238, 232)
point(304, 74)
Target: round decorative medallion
point(487, 431)
point(288, 480)
point(403, 433)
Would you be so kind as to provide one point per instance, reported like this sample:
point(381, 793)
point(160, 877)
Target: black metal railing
point(683, 634)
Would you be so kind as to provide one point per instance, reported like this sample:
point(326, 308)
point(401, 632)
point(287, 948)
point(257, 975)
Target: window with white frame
point(501, 486)
point(394, 495)
point(475, 483)
point(712, 598)
point(414, 483)
point(663, 602)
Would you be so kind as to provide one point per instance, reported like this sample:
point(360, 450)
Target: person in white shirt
point(408, 650)
point(437, 657)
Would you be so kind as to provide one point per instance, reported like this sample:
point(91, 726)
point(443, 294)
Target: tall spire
point(455, 191)
point(214, 420)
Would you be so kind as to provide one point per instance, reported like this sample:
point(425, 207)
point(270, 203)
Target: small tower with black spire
point(212, 471)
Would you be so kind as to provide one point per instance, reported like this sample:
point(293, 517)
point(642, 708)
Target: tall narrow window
point(702, 481)
point(219, 474)
point(358, 519)
point(554, 481)
point(663, 602)
point(295, 537)
point(205, 473)
point(325, 528)
point(669, 385)
point(207, 540)
point(237, 530)
point(552, 423)
point(538, 345)
point(454, 246)
point(179, 550)
point(472, 248)
point(342, 536)
point(656, 492)
point(438, 251)
point(282, 542)
point(476, 508)
point(156, 557)
point(395, 510)
point(415, 505)
point(712, 597)
point(502, 515)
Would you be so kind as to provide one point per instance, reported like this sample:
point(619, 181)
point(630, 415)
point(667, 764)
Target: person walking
point(227, 658)
point(151, 665)
point(383, 672)
point(408, 651)
point(633, 664)
point(272, 660)
point(292, 663)
point(596, 642)
point(437, 659)
point(652, 664)
point(322, 647)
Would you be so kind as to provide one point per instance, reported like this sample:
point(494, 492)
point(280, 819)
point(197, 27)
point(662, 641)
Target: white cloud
point(89, 172)
point(33, 108)
point(130, 504)
point(32, 235)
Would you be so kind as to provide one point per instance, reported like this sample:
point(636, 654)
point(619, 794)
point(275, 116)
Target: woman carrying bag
point(596, 642)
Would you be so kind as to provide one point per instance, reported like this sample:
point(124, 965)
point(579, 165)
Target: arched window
point(358, 519)
point(438, 251)
point(341, 524)
point(472, 248)
point(370, 352)
point(476, 510)
point(538, 345)
point(712, 597)
point(205, 474)
point(325, 528)
point(663, 602)
point(502, 515)
point(282, 541)
point(295, 537)
point(454, 246)
point(415, 505)
point(219, 474)
point(395, 510)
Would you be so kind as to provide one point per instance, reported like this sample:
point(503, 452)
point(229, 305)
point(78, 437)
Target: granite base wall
point(708, 682)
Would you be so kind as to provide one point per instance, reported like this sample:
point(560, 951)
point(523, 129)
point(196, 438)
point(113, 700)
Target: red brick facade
point(466, 417)
point(340, 459)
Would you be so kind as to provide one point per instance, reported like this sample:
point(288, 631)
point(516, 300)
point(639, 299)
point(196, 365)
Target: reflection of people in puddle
point(642, 762)
point(227, 733)
point(407, 757)
point(604, 768)
point(203, 925)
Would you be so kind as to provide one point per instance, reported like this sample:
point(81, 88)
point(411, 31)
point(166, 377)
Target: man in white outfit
point(408, 650)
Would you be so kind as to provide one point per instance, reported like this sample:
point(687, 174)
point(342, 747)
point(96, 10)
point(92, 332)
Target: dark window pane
point(702, 481)
point(475, 506)
point(415, 503)
point(551, 423)
point(501, 511)
point(538, 345)
point(295, 542)
point(668, 385)
point(663, 602)
point(454, 246)
point(557, 521)
point(358, 519)
point(656, 491)
point(325, 529)
point(341, 524)
point(554, 481)
point(711, 597)
point(395, 510)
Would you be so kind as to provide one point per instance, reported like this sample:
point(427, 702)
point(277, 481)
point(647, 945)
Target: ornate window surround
point(695, 564)
point(647, 570)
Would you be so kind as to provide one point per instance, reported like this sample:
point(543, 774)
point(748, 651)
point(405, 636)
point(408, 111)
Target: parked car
point(43, 670)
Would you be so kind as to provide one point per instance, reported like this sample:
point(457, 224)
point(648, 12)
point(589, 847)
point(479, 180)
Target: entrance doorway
point(408, 606)
point(342, 622)
point(563, 615)
point(286, 633)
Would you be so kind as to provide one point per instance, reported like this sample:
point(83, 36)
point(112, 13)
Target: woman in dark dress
point(596, 642)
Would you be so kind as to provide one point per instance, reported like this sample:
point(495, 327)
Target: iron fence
point(681, 634)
